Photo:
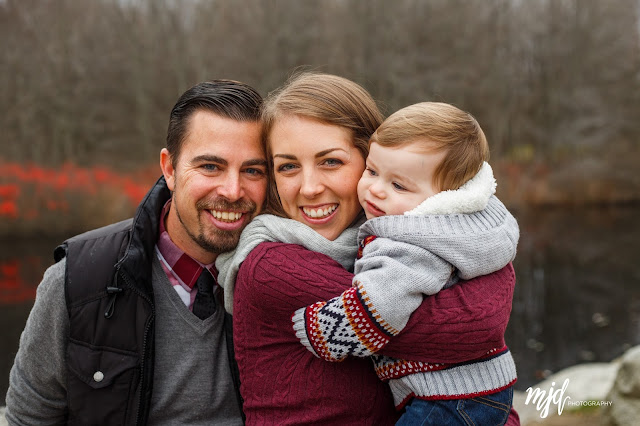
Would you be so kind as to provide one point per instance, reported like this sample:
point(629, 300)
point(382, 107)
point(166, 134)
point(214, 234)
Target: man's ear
point(167, 168)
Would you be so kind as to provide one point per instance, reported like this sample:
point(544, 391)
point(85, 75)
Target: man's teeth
point(318, 213)
point(226, 216)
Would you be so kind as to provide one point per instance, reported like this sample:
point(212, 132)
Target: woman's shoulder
point(277, 253)
point(293, 270)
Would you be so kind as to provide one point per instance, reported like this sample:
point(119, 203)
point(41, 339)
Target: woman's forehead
point(305, 135)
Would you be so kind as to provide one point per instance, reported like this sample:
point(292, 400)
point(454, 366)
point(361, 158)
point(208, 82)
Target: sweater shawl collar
point(270, 228)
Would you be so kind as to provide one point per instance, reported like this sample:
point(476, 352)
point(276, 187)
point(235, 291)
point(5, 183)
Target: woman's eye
point(332, 162)
point(287, 167)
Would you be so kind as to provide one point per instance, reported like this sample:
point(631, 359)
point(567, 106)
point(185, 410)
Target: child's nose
point(377, 190)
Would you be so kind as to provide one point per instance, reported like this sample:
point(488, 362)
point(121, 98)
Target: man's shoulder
point(114, 230)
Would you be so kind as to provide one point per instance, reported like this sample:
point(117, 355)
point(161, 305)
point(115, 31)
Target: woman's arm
point(457, 324)
point(392, 278)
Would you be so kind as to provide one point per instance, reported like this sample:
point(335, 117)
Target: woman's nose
point(312, 184)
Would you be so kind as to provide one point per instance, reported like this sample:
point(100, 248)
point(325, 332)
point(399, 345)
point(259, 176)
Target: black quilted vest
point(109, 298)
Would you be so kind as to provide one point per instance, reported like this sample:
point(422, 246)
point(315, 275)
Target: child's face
point(397, 180)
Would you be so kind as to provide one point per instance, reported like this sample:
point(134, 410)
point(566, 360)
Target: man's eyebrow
point(209, 159)
point(285, 156)
point(219, 160)
point(255, 162)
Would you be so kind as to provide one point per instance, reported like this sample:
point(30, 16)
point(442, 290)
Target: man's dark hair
point(227, 98)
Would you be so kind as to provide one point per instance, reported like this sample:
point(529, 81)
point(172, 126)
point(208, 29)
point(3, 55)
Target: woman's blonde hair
point(324, 97)
point(439, 126)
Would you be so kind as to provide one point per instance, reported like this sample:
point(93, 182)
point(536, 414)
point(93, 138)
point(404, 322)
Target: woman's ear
point(167, 168)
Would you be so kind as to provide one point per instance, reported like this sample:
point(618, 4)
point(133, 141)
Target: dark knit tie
point(205, 303)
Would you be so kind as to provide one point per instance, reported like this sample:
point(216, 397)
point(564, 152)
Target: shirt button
point(98, 376)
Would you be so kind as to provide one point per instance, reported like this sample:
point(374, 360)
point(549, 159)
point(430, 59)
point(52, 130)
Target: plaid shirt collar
point(182, 266)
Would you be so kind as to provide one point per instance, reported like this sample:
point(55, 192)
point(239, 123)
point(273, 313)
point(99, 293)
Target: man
point(128, 327)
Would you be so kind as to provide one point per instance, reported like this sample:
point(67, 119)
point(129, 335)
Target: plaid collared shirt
point(183, 271)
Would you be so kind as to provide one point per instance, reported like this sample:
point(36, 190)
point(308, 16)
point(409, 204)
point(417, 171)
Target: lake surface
point(577, 296)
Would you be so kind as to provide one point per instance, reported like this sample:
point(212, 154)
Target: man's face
point(218, 182)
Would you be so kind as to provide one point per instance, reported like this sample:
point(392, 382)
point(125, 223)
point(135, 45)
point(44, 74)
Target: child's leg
point(483, 410)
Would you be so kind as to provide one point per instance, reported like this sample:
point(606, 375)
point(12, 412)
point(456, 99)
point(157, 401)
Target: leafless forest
point(555, 83)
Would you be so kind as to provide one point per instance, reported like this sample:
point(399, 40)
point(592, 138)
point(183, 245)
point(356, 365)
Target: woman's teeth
point(226, 216)
point(319, 213)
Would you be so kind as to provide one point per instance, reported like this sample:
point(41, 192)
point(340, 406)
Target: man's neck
point(184, 242)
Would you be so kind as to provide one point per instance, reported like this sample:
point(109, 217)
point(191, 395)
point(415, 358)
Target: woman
point(317, 128)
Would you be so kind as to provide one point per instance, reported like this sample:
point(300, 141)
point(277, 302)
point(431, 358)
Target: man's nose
point(231, 188)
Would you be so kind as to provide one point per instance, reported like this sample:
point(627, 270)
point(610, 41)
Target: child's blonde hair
point(439, 126)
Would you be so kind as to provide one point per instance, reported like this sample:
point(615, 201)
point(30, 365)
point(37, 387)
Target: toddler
point(433, 219)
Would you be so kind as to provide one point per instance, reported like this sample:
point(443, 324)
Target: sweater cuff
point(300, 329)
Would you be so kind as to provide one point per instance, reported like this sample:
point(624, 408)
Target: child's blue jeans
point(486, 410)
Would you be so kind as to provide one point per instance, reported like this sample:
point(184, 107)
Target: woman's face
point(317, 169)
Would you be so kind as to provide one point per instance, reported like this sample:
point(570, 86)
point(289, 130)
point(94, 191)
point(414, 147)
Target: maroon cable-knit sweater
point(283, 383)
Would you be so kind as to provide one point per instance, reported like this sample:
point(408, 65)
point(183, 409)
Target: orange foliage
point(27, 189)
point(34, 199)
point(13, 289)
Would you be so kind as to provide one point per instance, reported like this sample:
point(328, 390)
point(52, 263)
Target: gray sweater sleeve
point(37, 382)
point(393, 276)
point(416, 255)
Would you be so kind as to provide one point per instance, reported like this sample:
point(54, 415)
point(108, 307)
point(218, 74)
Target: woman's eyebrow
point(318, 155)
point(327, 151)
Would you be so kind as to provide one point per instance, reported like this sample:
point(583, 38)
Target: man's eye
point(254, 172)
point(210, 167)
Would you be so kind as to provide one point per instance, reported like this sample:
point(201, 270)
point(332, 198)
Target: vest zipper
point(144, 346)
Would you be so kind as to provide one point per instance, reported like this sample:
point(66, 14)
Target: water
point(577, 296)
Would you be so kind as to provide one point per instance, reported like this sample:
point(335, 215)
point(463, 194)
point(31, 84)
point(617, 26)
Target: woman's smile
point(319, 214)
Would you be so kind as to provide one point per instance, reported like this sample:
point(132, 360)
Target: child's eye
point(372, 172)
point(398, 186)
